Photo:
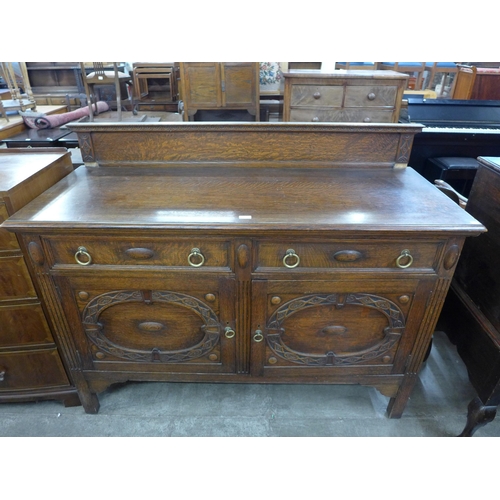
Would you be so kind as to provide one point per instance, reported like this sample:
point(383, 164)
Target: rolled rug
point(41, 121)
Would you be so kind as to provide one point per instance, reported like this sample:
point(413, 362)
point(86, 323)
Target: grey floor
point(437, 408)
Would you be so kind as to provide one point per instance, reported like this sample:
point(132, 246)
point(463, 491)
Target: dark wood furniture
point(343, 96)
point(30, 364)
point(471, 313)
point(257, 252)
point(219, 86)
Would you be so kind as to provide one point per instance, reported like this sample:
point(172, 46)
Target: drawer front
point(23, 325)
point(15, 281)
point(317, 95)
point(31, 370)
point(346, 255)
point(8, 240)
point(316, 115)
point(59, 100)
point(368, 96)
point(189, 253)
point(368, 115)
point(41, 101)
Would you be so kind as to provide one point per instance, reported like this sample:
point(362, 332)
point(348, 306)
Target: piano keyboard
point(461, 130)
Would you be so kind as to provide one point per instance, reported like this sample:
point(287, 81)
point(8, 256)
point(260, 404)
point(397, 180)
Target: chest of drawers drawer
point(317, 95)
point(15, 281)
point(186, 253)
point(31, 370)
point(347, 255)
point(8, 241)
point(370, 96)
point(363, 115)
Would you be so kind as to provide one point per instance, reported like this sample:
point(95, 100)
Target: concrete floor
point(437, 408)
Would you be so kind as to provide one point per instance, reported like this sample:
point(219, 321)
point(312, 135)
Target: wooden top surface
point(245, 199)
point(19, 165)
point(344, 73)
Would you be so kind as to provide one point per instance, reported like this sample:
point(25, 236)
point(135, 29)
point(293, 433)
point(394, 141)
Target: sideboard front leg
point(478, 415)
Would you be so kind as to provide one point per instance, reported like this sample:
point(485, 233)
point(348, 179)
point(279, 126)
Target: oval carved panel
point(347, 256)
point(96, 331)
point(391, 333)
point(139, 253)
point(36, 253)
point(451, 257)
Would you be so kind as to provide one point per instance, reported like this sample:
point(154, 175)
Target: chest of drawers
point(30, 364)
point(258, 253)
point(343, 96)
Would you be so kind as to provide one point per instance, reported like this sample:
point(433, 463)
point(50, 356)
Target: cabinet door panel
point(203, 84)
point(239, 84)
point(127, 327)
point(333, 325)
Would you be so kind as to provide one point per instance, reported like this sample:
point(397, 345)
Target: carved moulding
point(95, 330)
point(392, 333)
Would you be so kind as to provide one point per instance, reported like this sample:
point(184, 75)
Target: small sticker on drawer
point(244, 216)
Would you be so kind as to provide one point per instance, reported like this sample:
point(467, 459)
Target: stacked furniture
point(155, 84)
point(30, 364)
point(343, 96)
point(244, 253)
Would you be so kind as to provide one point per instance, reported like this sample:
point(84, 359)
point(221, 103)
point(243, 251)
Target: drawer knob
point(404, 260)
point(258, 337)
point(317, 95)
point(367, 119)
point(229, 332)
point(82, 252)
point(196, 258)
point(291, 259)
point(371, 96)
point(2, 375)
point(315, 119)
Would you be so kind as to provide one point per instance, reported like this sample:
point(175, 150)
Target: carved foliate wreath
point(392, 333)
point(95, 332)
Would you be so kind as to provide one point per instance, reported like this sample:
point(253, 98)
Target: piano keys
point(453, 128)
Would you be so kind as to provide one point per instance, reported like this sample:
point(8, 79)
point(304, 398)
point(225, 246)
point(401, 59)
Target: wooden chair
point(410, 68)
point(447, 69)
point(100, 75)
point(464, 82)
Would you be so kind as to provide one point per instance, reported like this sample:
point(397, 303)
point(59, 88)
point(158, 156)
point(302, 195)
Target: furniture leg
point(478, 415)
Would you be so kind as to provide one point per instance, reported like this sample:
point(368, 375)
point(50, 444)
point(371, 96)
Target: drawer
point(15, 281)
point(37, 369)
point(317, 95)
point(188, 252)
point(316, 115)
point(41, 101)
point(23, 324)
point(347, 255)
point(370, 95)
point(362, 115)
point(60, 100)
point(8, 241)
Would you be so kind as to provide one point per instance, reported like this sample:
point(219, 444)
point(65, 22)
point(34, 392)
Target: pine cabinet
point(219, 86)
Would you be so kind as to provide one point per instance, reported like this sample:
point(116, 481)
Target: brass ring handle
point(195, 252)
point(290, 254)
point(83, 251)
point(258, 337)
point(405, 254)
point(229, 332)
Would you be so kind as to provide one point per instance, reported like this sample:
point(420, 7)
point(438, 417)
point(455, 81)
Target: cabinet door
point(201, 85)
point(165, 323)
point(334, 328)
point(239, 84)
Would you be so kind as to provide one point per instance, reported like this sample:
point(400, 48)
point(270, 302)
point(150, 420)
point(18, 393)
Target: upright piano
point(453, 128)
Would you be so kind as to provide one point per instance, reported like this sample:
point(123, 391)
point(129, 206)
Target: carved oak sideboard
point(244, 252)
point(30, 364)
